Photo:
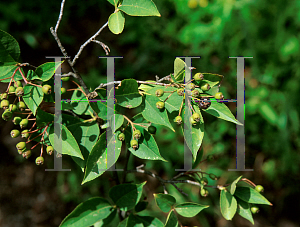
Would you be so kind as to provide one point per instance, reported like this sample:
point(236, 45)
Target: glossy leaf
point(116, 22)
point(6, 72)
point(9, 49)
point(126, 196)
point(80, 103)
point(139, 8)
point(99, 159)
point(154, 115)
point(146, 87)
point(250, 195)
point(233, 185)
point(171, 220)
point(127, 94)
point(33, 96)
point(88, 213)
point(142, 221)
point(189, 209)
point(100, 107)
point(113, 2)
point(46, 71)
point(228, 205)
point(179, 69)
point(165, 202)
point(106, 221)
point(119, 119)
point(243, 210)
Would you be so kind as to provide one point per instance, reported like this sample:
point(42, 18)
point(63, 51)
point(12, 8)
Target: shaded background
point(214, 30)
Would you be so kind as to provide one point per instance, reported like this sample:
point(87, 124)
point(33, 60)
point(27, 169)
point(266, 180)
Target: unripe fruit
point(65, 78)
point(196, 117)
point(180, 91)
point(6, 115)
point(159, 92)
point(24, 123)
point(134, 144)
point(195, 93)
point(198, 77)
point(160, 105)
point(205, 87)
point(4, 96)
point(12, 107)
point(18, 84)
point(121, 137)
point(39, 161)
point(191, 86)
point(21, 106)
point(219, 95)
point(4, 104)
point(14, 133)
point(11, 89)
point(21, 145)
point(17, 120)
point(254, 210)
point(204, 103)
point(203, 181)
point(213, 176)
point(26, 154)
point(137, 134)
point(63, 90)
point(204, 192)
point(25, 134)
point(47, 89)
point(49, 150)
point(178, 120)
point(210, 157)
point(259, 188)
point(152, 129)
point(19, 91)
point(21, 151)
point(193, 122)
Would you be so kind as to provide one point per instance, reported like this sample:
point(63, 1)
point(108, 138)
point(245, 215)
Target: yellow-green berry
point(121, 137)
point(46, 89)
point(203, 181)
point(26, 154)
point(198, 77)
point(49, 150)
point(178, 120)
point(63, 90)
point(65, 78)
point(160, 105)
point(137, 134)
point(12, 107)
point(204, 192)
point(191, 86)
point(196, 117)
point(6, 115)
point(134, 144)
point(4, 96)
point(205, 87)
point(21, 106)
point(192, 121)
point(21, 145)
point(254, 210)
point(18, 84)
point(14, 133)
point(195, 93)
point(17, 120)
point(19, 91)
point(180, 91)
point(24, 123)
point(219, 95)
point(4, 104)
point(11, 89)
point(159, 92)
point(25, 134)
point(39, 160)
point(259, 188)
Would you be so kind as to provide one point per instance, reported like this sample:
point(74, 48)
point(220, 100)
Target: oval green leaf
point(127, 94)
point(139, 8)
point(171, 220)
point(9, 49)
point(233, 185)
point(46, 70)
point(189, 209)
point(33, 96)
point(228, 205)
point(250, 195)
point(165, 202)
point(243, 210)
point(116, 22)
point(142, 221)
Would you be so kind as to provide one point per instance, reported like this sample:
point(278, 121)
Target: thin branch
point(87, 42)
point(105, 47)
point(60, 15)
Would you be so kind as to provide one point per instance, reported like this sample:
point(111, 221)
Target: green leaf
point(127, 94)
point(126, 196)
point(171, 220)
point(142, 221)
point(119, 119)
point(33, 96)
point(139, 8)
point(220, 110)
point(46, 70)
point(179, 69)
point(228, 205)
point(165, 202)
point(97, 162)
point(31, 75)
point(100, 107)
point(113, 2)
point(212, 79)
point(43, 118)
point(9, 49)
point(189, 209)
point(154, 115)
point(69, 144)
point(80, 103)
point(88, 213)
point(106, 221)
point(250, 195)
point(147, 149)
point(116, 22)
point(146, 87)
point(142, 205)
point(6, 72)
point(243, 210)
point(233, 185)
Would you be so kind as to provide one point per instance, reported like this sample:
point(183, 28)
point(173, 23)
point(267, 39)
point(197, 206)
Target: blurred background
point(213, 29)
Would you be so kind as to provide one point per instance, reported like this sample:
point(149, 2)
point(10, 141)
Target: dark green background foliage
point(266, 30)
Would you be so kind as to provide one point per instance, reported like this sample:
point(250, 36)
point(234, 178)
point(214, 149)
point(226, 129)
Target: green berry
point(47, 89)
point(219, 95)
point(6, 115)
point(63, 90)
point(196, 117)
point(203, 181)
point(65, 78)
point(21, 106)
point(4, 104)
point(193, 122)
point(254, 210)
point(13, 107)
point(259, 188)
point(205, 87)
point(26, 154)
point(49, 150)
point(178, 120)
point(159, 92)
point(134, 144)
point(19, 91)
point(17, 120)
point(198, 76)
point(18, 84)
point(180, 91)
point(11, 89)
point(25, 134)
point(137, 134)
point(213, 176)
point(21, 145)
point(195, 93)
point(204, 192)
point(4, 96)
point(121, 137)
point(191, 86)
point(21, 151)
point(14, 133)
point(210, 157)
point(160, 105)
point(39, 160)
point(24, 123)
point(152, 129)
